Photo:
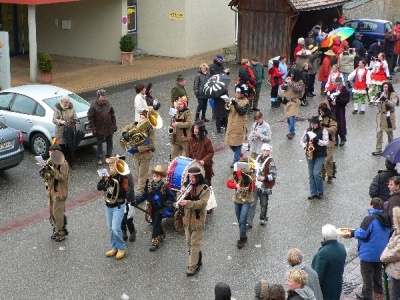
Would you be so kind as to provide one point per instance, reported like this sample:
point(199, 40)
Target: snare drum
point(177, 171)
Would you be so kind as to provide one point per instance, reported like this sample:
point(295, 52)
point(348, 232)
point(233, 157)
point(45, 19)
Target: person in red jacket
point(325, 69)
point(275, 79)
point(300, 45)
point(243, 182)
point(246, 76)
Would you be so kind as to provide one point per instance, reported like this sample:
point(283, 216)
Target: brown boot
point(241, 242)
point(322, 91)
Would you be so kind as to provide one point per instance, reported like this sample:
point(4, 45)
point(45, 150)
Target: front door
point(14, 19)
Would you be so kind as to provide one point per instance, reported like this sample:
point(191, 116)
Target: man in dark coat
point(101, 116)
point(329, 262)
point(338, 99)
point(379, 185)
point(217, 67)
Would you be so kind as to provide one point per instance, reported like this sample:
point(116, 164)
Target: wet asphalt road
point(35, 267)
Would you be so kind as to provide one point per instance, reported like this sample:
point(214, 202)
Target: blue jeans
point(263, 203)
point(237, 151)
point(114, 218)
point(291, 122)
point(201, 107)
point(314, 175)
point(345, 77)
point(395, 288)
point(241, 211)
point(109, 142)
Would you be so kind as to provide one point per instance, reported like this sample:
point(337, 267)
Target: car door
point(20, 115)
point(5, 101)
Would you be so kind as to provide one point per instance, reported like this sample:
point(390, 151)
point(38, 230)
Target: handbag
point(281, 91)
point(212, 202)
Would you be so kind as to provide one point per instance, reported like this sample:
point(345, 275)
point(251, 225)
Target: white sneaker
point(263, 222)
point(100, 162)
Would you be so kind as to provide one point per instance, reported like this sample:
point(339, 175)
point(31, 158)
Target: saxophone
point(310, 150)
point(47, 171)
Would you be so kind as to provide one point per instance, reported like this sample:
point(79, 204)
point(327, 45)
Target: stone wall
point(364, 9)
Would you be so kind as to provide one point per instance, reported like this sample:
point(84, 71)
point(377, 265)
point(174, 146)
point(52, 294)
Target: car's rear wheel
point(40, 145)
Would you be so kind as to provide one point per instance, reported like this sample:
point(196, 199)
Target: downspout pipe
point(237, 34)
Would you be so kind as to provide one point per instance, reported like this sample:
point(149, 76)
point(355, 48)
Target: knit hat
point(219, 57)
point(55, 147)
point(261, 290)
point(57, 157)
point(314, 120)
point(330, 53)
point(266, 146)
point(101, 92)
point(358, 35)
point(159, 171)
point(180, 78)
point(389, 165)
point(255, 58)
point(222, 291)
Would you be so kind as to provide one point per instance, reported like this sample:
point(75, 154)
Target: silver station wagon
point(30, 108)
point(11, 147)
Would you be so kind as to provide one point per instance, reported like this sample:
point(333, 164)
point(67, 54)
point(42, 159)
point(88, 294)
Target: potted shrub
point(45, 65)
point(126, 46)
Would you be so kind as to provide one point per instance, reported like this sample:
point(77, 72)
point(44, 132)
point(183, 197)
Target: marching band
point(183, 192)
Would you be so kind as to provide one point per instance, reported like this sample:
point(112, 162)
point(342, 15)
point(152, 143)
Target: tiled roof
point(299, 5)
point(315, 4)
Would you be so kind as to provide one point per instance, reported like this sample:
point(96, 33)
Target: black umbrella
point(73, 137)
point(216, 85)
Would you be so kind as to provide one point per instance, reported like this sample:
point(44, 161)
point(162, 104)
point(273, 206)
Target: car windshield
point(78, 102)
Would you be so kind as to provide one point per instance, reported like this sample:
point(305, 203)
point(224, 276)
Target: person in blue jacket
point(373, 235)
point(161, 199)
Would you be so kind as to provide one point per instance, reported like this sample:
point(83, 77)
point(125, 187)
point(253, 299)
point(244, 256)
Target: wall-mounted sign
point(177, 15)
point(132, 19)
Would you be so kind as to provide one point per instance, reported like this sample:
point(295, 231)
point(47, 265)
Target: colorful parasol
point(342, 32)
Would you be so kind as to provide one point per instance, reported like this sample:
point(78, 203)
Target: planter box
point(47, 77)
point(126, 58)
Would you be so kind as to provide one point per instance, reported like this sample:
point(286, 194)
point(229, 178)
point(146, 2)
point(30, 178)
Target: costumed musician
point(266, 173)
point(196, 194)
point(56, 175)
point(142, 151)
point(338, 99)
point(236, 130)
point(243, 182)
point(115, 187)
point(315, 141)
point(180, 126)
point(387, 100)
point(161, 199)
point(260, 133)
point(328, 121)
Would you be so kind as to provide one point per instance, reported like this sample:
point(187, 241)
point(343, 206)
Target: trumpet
point(228, 104)
point(184, 194)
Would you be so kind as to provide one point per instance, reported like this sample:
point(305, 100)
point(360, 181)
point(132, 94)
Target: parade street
point(35, 267)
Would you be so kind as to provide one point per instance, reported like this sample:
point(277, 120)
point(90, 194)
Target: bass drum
point(178, 170)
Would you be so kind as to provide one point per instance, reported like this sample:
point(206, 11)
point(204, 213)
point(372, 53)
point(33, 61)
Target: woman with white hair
point(329, 262)
point(64, 116)
point(301, 44)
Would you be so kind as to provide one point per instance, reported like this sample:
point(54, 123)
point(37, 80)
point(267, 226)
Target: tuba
point(310, 150)
point(245, 182)
point(111, 193)
point(138, 134)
